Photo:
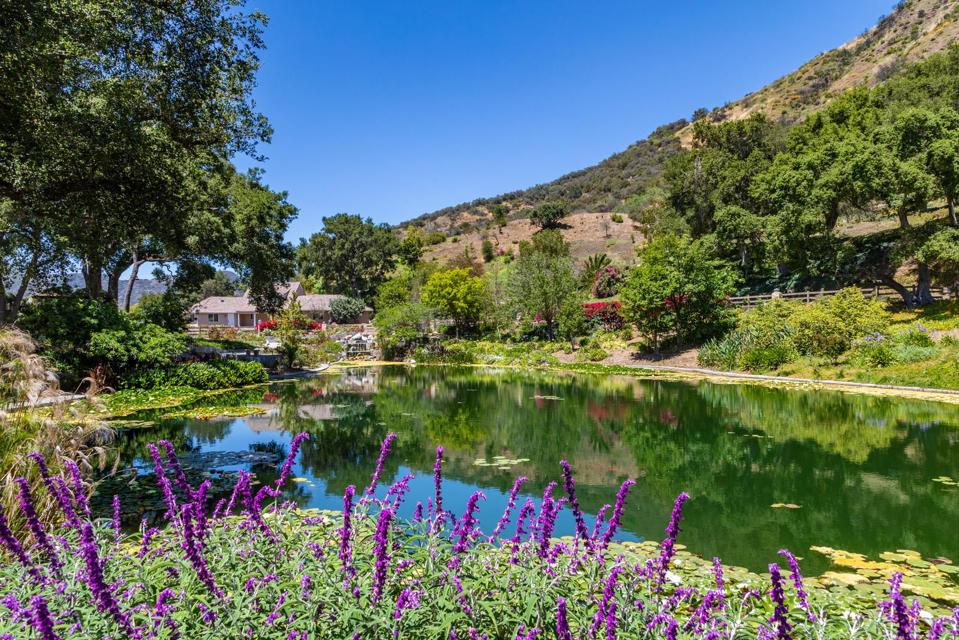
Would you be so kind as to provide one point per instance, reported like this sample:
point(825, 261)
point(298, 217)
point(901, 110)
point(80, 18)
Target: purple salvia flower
point(162, 614)
point(523, 634)
point(192, 548)
point(98, 586)
point(174, 463)
point(145, 542)
point(510, 504)
point(275, 614)
point(438, 489)
point(240, 494)
point(600, 519)
point(669, 543)
point(36, 527)
point(549, 508)
point(408, 599)
point(57, 488)
point(346, 532)
point(418, 512)
point(570, 487)
point(796, 576)
point(291, 458)
point(526, 512)
point(16, 549)
point(466, 526)
point(199, 511)
point(896, 610)
point(609, 594)
point(618, 510)
point(380, 461)
point(718, 574)
point(611, 621)
point(778, 596)
point(79, 487)
point(169, 498)
point(116, 518)
point(380, 547)
point(562, 623)
point(398, 490)
point(937, 628)
point(41, 618)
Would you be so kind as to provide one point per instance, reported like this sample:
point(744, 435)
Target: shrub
point(606, 282)
point(605, 315)
point(766, 358)
point(592, 353)
point(830, 325)
point(346, 310)
point(219, 374)
point(548, 214)
point(916, 336)
point(873, 350)
point(266, 325)
point(488, 251)
point(616, 218)
point(136, 346)
point(168, 310)
point(763, 340)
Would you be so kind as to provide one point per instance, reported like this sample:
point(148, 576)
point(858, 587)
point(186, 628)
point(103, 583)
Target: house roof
point(224, 304)
point(318, 301)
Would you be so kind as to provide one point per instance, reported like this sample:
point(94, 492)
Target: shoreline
point(716, 376)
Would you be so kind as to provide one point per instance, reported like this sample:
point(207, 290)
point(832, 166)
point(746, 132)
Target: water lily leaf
point(787, 505)
point(300, 480)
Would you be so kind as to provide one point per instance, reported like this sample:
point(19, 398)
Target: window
point(213, 317)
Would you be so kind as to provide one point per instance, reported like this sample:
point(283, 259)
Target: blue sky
point(393, 109)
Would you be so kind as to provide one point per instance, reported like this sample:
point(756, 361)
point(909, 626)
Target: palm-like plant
point(592, 265)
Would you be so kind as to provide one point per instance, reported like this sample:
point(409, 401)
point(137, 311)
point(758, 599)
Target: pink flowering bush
point(252, 566)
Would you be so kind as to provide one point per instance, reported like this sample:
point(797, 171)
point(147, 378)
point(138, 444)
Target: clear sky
point(393, 109)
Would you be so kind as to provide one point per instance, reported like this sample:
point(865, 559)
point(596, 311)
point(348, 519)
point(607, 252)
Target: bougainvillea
point(606, 282)
point(268, 570)
point(607, 315)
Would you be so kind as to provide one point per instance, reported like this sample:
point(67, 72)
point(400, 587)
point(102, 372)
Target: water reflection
point(860, 467)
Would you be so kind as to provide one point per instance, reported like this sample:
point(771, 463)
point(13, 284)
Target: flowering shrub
point(606, 282)
point(253, 567)
point(607, 315)
point(266, 325)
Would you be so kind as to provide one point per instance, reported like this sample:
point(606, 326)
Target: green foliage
point(218, 374)
point(591, 267)
point(615, 217)
point(499, 211)
point(540, 285)
point(572, 319)
point(678, 287)
point(346, 310)
point(457, 294)
point(487, 250)
point(221, 284)
point(531, 353)
point(829, 326)
point(290, 324)
point(401, 328)
point(352, 255)
point(762, 341)
point(549, 242)
point(136, 346)
point(320, 349)
point(169, 310)
point(410, 249)
point(548, 215)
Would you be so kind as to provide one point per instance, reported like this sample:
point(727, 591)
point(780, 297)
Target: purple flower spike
point(778, 596)
point(380, 461)
point(116, 518)
point(438, 485)
point(165, 487)
point(291, 458)
point(102, 594)
point(380, 553)
point(510, 505)
point(35, 526)
point(896, 610)
point(465, 527)
point(562, 624)
point(79, 487)
point(669, 543)
point(193, 548)
point(16, 549)
point(41, 619)
point(57, 488)
point(570, 487)
point(796, 576)
point(346, 532)
point(616, 518)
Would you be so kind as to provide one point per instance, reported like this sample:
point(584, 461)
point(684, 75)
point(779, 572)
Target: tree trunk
point(131, 282)
point(93, 278)
point(903, 219)
point(113, 285)
point(952, 213)
point(907, 295)
point(21, 293)
point(3, 303)
point(924, 287)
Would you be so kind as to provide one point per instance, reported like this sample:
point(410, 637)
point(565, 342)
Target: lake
point(857, 472)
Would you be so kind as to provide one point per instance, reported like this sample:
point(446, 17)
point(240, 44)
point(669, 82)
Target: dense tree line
point(118, 123)
point(773, 198)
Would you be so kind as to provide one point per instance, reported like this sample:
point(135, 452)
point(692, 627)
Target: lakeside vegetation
point(256, 564)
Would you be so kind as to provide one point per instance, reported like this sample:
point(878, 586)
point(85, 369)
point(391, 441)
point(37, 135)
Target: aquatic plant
point(270, 570)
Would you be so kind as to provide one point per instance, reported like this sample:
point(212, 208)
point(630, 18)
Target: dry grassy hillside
point(914, 30)
point(587, 233)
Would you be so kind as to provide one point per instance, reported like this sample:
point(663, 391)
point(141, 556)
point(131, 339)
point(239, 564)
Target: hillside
point(913, 31)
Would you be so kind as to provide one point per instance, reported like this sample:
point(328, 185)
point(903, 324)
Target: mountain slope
point(914, 30)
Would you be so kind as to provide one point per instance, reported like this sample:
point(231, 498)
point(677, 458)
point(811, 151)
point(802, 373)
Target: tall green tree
point(352, 255)
point(457, 294)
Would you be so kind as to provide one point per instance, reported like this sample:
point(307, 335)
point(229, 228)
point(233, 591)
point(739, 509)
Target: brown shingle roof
point(224, 304)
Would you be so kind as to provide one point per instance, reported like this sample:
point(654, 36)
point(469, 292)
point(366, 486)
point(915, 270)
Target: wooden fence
point(939, 293)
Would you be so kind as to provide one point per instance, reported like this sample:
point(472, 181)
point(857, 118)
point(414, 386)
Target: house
point(240, 312)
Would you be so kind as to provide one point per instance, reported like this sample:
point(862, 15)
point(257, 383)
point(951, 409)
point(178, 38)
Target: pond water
point(860, 469)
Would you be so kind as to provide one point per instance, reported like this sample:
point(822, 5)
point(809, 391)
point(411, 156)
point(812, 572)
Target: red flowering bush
point(606, 282)
point(266, 325)
point(607, 315)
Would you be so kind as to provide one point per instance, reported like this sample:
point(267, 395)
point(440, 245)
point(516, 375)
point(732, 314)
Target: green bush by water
point(219, 374)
